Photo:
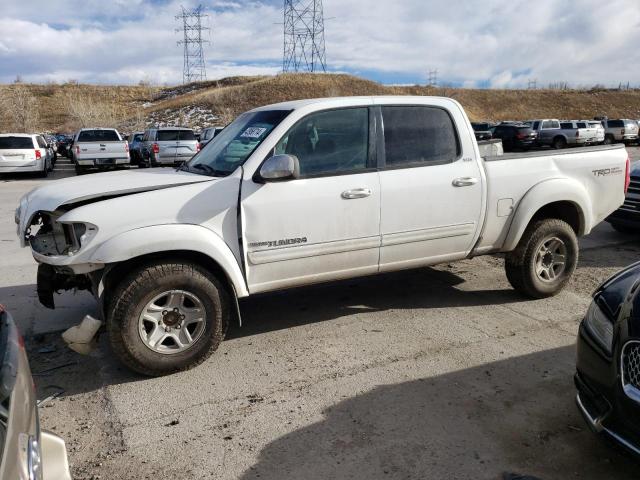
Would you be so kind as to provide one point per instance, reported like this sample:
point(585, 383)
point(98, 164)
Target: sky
point(472, 43)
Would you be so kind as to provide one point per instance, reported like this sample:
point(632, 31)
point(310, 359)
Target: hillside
point(69, 106)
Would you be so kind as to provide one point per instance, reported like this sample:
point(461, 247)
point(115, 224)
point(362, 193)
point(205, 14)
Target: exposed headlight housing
point(600, 326)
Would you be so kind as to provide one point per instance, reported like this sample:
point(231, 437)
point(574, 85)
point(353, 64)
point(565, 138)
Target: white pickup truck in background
point(99, 148)
point(305, 192)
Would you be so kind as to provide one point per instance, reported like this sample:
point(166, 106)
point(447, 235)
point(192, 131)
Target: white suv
point(23, 152)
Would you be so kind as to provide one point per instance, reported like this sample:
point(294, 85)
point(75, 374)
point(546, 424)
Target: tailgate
point(101, 150)
point(17, 157)
point(185, 150)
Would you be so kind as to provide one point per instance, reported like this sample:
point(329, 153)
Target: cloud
point(493, 43)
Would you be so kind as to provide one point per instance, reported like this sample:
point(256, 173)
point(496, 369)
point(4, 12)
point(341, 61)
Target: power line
point(433, 78)
point(194, 68)
point(303, 36)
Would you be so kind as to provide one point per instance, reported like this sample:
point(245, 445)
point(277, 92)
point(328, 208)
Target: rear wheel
point(544, 260)
point(44, 173)
point(166, 317)
point(559, 142)
point(79, 170)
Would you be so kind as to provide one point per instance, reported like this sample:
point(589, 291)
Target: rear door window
point(16, 143)
point(615, 123)
point(566, 125)
point(581, 125)
point(98, 136)
point(418, 136)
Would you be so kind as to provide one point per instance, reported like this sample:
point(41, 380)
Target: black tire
point(520, 264)
point(45, 171)
point(625, 228)
point(80, 170)
point(137, 289)
point(559, 143)
point(608, 140)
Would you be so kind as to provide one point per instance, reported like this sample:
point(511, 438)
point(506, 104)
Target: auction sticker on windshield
point(253, 132)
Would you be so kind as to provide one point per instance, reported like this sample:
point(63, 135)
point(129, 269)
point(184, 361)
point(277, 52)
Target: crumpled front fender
point(173, 237)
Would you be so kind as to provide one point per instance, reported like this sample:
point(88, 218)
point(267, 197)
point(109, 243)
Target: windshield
point(233, 145)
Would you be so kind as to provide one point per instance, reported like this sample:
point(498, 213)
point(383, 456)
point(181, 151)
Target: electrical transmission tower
point(303, 36)
point(532, 84)
point(433, 78)
point(194, 68)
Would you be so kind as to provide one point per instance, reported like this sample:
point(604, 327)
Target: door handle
point(356, 193)
point(464, 182)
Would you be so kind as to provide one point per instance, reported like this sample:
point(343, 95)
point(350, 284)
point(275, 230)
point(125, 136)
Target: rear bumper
point(103, 162)
point(26, 166)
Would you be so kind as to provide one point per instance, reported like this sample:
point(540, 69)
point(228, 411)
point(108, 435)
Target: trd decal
point(280, 243)
point(603, 172)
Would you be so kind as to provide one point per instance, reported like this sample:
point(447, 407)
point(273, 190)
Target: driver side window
point(329, 142)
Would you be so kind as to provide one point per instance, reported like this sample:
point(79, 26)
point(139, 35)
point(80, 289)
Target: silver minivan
point(168, 146)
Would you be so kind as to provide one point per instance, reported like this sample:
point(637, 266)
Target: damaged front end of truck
point(49, 237)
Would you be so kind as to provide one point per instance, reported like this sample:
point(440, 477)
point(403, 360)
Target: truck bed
point(598, 172)
point(551, 152)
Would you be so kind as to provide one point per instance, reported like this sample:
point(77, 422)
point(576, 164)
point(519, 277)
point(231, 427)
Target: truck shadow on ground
point(421, 288)
point(516, 415)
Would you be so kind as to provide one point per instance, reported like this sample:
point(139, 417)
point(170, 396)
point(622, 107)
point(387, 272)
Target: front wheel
point(167, 317)
point(544, 260)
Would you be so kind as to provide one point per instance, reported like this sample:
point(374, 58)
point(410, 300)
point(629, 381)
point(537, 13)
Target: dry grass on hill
point(70, 106)
point(231, 100)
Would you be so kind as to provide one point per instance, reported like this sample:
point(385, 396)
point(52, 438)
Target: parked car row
point(558, 133)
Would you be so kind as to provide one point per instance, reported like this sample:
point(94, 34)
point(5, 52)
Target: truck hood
point(53, 195)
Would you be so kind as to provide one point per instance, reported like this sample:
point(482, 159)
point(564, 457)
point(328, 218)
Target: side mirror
point(278, 168)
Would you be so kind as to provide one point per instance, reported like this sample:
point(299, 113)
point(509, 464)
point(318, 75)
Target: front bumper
point(601, 400)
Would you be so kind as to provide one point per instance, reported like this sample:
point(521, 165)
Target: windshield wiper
point(209, 170)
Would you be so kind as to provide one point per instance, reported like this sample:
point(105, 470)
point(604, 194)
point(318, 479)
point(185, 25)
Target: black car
point(608, 360)
point(482, 130)
point(627, 218)
point(515, 136)
point(64, 142)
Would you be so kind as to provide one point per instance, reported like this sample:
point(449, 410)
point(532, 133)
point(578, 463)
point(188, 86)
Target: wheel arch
point(191, 243)
point(564, 199)
point(116, 272)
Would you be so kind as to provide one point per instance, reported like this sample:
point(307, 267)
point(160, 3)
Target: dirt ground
point(511, 414)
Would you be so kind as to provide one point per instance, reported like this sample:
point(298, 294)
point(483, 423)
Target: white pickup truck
point(100, 148)
point(305, 192)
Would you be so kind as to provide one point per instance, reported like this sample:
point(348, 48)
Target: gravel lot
point(435, 373)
